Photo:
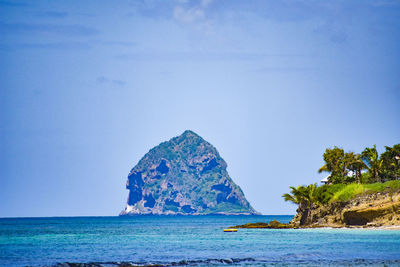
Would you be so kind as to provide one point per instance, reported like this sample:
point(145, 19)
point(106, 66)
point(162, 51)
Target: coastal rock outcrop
point(274, 224)
point(184, 175)
point(368, 210)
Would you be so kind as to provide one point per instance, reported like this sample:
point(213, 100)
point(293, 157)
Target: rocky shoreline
point(262, 225)
point(279, 225)
point(369, 211)
point(365, 211)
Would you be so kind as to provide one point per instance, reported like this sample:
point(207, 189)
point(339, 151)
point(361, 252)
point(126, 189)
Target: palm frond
point(323, 169)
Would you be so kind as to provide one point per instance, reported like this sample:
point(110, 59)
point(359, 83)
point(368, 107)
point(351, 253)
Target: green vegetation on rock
point(274, 224)
point(351, 176)
point(365, 167)
point(350, 191)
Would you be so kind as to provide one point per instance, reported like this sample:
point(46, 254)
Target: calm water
point(47, 241)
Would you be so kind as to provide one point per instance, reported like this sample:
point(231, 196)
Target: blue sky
point(88, 87)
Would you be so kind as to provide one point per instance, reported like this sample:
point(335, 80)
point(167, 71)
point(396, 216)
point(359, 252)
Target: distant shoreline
point(150, 215)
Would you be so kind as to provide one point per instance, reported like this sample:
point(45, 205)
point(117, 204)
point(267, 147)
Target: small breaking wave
point(236, 262)
point(227, 261)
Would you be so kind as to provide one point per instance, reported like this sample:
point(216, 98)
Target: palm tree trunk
point(377, 177)
point(304, 217)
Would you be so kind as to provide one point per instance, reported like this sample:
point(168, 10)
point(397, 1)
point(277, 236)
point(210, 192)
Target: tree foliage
point(350, 174)
point(349, 167)
point(390, 169)
point(374, 164)
point(334, 163)
point(304, 196)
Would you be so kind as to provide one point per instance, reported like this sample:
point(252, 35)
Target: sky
point(88, 87)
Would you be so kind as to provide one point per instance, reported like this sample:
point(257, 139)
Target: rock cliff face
point(370, 210)
point(185, 175)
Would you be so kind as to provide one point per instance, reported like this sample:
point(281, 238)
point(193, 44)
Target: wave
point(236, 262)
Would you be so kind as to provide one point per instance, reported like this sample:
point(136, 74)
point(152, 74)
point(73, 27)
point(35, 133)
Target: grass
point(350, 191)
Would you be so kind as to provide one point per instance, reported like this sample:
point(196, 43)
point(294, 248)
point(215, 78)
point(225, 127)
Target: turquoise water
point(163, 239)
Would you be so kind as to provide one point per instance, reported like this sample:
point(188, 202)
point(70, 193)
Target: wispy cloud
point(70, 30)
point(335, 33)
point(385, 3)
point(188, 15)
point(12, 3)
point(105, 80)
point(186, 12)
point(53, 14)
point(286, 69)
point(118, 82)
point(102, 79)
point(63, 45)
point(339, 37)
point(117, 43)
point(201, 56)
point(55, 45)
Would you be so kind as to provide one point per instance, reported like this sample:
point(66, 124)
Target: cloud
point(185, 12)
point(118, 82)
point(153, 9)
point(188, 15)
point(102, 79)
point(339, 37)
point(336, 34)
point(117, 43)
point(105, 80)
point(284, 69)
point(201, 56)
point(12, 3)
point(53, 14)
point(56, 45)
point(64, 45)
point(385, 3)
point(70, 30)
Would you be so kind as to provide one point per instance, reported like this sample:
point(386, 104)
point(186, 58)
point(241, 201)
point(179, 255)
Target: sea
point(188, 241)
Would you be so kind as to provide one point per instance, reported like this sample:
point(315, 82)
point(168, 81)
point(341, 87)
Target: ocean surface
point(189, 240)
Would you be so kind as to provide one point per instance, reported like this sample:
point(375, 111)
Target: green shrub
point(348, 192)
point(374, 188)
point(325, 193)
point(395, 184)
point(365, 178)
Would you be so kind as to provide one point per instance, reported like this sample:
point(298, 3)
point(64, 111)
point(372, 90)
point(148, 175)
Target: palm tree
point(324, 168)
point(305, 197)
point(296, 196)
point(355, 164)
point(310, 194)
point(391, 163)
point(373, 162)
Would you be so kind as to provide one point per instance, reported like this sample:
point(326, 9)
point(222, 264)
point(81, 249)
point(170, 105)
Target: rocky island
point(184, 176)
